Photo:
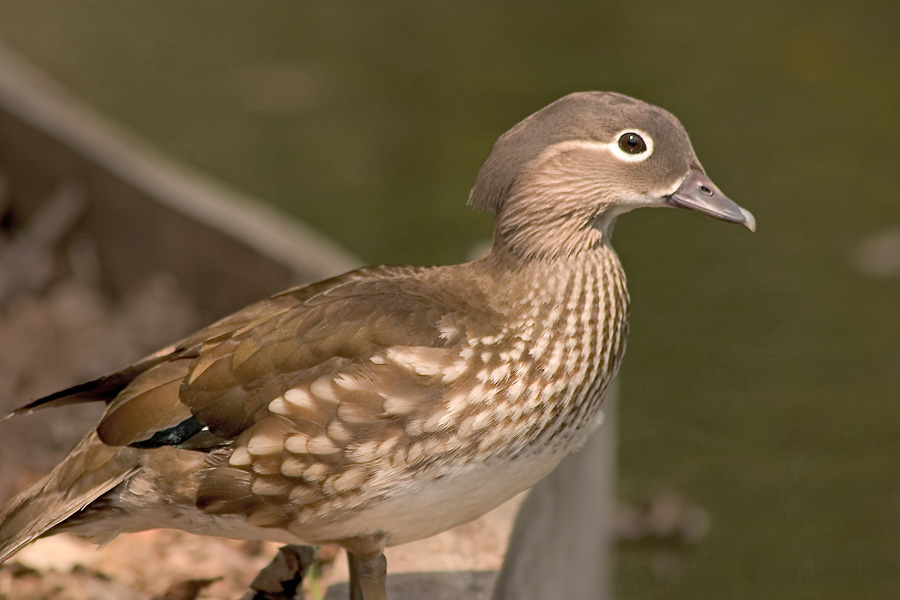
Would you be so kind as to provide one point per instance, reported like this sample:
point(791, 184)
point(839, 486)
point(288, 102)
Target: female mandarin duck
point(393, 402)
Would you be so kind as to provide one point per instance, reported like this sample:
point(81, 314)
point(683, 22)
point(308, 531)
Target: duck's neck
point(565, 336)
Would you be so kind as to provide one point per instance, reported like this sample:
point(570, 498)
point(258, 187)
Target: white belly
point(426, 508)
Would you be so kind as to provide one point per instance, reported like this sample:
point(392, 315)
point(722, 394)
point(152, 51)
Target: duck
point(393, 402)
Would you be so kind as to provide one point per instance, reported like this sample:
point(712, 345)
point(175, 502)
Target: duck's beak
point(698, 192)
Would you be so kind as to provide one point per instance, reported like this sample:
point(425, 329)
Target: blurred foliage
point(763, 372)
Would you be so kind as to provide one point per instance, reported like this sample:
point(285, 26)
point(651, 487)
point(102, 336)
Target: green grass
point(763, 371)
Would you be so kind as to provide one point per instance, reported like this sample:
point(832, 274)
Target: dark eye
point(632, 143)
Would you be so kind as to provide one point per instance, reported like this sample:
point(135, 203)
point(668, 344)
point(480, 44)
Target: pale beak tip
point(749, 219)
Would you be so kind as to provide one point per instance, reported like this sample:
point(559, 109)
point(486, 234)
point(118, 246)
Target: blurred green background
point(763, 370)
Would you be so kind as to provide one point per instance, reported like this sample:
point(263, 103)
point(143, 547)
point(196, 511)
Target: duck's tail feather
point(91, 470)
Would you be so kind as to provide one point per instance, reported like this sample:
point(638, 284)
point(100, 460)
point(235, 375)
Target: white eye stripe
point(613, 146)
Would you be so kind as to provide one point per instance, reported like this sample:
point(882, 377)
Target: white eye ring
point(617, 151)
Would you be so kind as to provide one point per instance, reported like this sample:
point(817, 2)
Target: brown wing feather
point(225, 375)
point(109, 387)
point(154, 396)
point(233, 381)
point(102, 389)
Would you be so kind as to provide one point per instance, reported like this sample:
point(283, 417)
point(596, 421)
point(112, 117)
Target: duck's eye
point(632, 143)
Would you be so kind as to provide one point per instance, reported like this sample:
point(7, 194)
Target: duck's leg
point(368, 575)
